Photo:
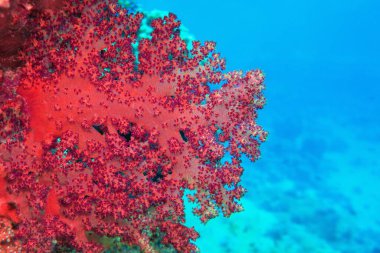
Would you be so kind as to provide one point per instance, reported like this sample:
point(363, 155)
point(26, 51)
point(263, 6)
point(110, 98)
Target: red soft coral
point(16, 26)
point(112, 141)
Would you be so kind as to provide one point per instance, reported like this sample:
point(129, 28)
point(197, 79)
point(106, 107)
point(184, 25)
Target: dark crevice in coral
point(183, 136)
point(99, 128)
point(12, 206)
point(127, 136)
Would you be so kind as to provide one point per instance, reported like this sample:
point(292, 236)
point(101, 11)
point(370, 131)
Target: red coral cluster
point(7, 241)
point(16, 27)
point(106, 142)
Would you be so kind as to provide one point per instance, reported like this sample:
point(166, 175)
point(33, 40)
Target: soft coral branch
point(16, 26)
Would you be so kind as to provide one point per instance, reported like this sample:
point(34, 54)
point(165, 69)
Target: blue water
point(315, 187)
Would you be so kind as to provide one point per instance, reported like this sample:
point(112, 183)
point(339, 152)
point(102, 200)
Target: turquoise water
point(315, 188)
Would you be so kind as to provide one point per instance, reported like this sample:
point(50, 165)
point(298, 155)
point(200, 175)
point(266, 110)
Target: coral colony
point(101, 132)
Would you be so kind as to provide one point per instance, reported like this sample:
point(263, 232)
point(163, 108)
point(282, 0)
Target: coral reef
point(100, 140)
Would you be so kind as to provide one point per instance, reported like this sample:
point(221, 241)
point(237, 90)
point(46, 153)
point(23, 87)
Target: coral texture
point(100, 141)
point(16, 26)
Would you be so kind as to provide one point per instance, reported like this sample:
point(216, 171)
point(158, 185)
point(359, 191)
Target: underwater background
point(315, 188)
